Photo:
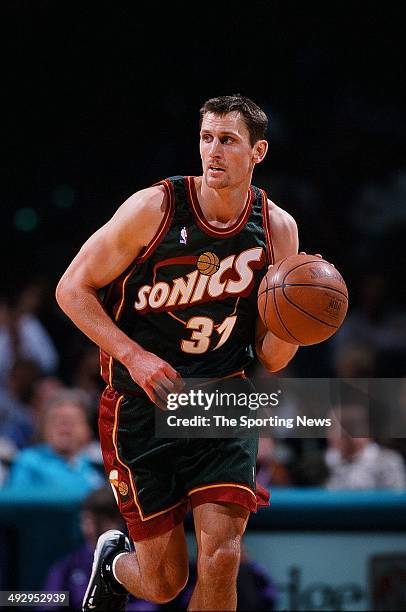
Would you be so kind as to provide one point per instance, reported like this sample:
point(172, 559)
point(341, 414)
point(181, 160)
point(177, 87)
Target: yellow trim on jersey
point(224, 484)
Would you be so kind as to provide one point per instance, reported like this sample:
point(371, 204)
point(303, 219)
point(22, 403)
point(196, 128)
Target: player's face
point(228, 157)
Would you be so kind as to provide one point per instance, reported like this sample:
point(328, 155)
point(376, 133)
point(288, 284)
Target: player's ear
point(260, 149)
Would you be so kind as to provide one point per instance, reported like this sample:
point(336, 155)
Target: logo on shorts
point(123, 488)
point(113, 478)
point(116, 485)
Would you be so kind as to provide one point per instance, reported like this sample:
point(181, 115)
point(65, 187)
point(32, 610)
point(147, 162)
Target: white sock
point(113, 566)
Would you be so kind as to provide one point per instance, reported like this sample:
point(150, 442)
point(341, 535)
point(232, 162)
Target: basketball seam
point(280, 318)
point(313, 287)
point(304, 284)
point(267, 286)
point(276, 305)
point(266, 298)
point(307, 313)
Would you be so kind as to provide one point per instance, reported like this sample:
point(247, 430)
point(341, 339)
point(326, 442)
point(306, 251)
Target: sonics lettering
point(231, 276)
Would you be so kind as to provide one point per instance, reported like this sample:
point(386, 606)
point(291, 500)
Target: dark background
point(102, 99)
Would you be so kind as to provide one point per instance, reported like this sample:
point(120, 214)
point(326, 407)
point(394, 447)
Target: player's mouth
point(215, 170)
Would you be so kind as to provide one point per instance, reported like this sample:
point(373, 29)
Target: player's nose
point(215, 147)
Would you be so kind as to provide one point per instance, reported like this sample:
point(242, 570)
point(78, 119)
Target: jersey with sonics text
point(190, 297)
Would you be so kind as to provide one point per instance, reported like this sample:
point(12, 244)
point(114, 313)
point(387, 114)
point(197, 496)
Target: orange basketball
point(303, 299)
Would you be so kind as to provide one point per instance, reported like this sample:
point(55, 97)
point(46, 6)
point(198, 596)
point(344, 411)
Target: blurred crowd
point(50, 386)
point(48, 411)
point(49, 390)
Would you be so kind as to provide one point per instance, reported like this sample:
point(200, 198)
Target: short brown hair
point(254, 117)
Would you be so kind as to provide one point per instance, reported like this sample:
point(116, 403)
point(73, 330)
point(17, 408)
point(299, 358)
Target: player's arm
point(273, 353)
point(106, 255)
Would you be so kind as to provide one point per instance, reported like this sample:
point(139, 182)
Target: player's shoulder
point(137, 219)
point(284, 233)
point(144, 208)
point(151, 201)
point(280, 217)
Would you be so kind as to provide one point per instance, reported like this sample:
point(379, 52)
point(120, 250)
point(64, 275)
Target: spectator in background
point(272, 460)
point(3, 472)
point(7, 454)
point(356, 462)
point(87, 374)
point(374, 327)
point(45, 389)
point(355, 361)
point(60, 460)
point(87, 377)
point(310, 469)
point(99, 513)
point(398, 423)
point(22, 335)
point(16, 419)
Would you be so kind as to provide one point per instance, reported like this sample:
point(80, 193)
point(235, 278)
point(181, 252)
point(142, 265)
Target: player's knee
point(165, 591)
point(163, 588)
point(220, 561)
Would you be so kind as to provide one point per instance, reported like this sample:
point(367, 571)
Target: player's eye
point(206, 137)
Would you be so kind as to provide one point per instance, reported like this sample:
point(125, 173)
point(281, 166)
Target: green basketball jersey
point(190, 297)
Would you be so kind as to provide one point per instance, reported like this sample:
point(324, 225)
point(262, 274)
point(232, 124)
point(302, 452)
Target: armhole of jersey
point(165, 223)
point(267, 228)
point(161, 231)
point(119, 284)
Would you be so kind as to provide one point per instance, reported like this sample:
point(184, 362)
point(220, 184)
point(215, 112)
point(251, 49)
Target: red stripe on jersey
point(267, 228)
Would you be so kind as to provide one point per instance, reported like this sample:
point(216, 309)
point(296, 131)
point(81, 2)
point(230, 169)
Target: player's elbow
point(64, 293)
point(60, 293)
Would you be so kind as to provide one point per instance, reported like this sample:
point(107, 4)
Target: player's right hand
point(156, 377)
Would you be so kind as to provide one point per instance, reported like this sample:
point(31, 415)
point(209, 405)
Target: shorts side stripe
point(114, 438)
point(132, 483)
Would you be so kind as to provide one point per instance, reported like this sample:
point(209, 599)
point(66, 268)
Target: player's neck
point(222, 206)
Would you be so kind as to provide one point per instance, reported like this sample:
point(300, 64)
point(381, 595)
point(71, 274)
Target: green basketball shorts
point(157, 480)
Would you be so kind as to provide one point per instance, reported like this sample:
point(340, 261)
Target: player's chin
point(216, 182)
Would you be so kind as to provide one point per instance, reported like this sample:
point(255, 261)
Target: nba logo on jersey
point(183, 236)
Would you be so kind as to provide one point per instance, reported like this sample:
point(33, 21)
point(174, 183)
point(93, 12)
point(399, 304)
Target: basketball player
point(180, 264)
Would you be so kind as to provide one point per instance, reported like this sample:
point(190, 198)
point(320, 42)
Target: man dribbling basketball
point(180, 264)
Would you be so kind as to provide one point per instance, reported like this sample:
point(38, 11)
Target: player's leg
point(219, 477)
point(156, 571)
point(219, 530)
point(143, 477)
